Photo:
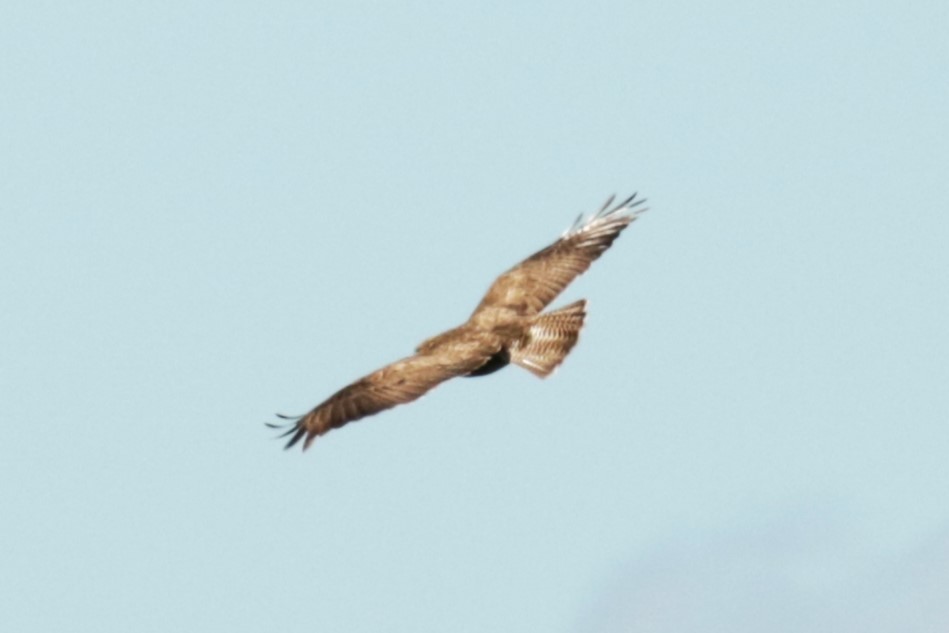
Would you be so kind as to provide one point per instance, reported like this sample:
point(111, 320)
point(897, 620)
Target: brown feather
point(398, 383)
point(531, 285)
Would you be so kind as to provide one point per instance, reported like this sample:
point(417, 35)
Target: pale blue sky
point(210, 212)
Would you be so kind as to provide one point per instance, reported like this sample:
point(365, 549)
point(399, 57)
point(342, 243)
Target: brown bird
point(506, 327)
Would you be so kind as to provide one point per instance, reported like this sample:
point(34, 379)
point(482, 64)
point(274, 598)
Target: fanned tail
point(550, 338)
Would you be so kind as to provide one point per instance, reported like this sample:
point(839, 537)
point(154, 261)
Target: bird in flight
point(506, 327)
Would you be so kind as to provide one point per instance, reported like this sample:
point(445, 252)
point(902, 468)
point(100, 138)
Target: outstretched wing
point(402, 381)
point(535, 282)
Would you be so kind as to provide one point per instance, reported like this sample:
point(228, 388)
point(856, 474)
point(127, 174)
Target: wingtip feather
point(296, 428)
point(298, 433)
point(606, 205)
point(609, 212)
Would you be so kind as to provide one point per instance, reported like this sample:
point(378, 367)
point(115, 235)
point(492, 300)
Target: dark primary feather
point(530, 286)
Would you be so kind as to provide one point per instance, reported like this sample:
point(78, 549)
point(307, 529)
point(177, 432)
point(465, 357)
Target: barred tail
point(550, 338)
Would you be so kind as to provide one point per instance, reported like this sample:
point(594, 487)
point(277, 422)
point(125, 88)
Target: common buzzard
point(506, 327)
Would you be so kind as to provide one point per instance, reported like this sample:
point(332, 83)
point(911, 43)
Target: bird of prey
point(506, 327)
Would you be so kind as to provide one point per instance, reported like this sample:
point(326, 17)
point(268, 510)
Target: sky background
point(212, 212)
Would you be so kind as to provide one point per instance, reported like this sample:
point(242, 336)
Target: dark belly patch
point(494, 363)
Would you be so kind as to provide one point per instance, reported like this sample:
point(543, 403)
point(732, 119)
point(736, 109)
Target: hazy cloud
point(786, 577)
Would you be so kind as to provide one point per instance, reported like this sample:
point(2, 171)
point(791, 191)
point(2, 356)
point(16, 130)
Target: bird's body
point(506, 327)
